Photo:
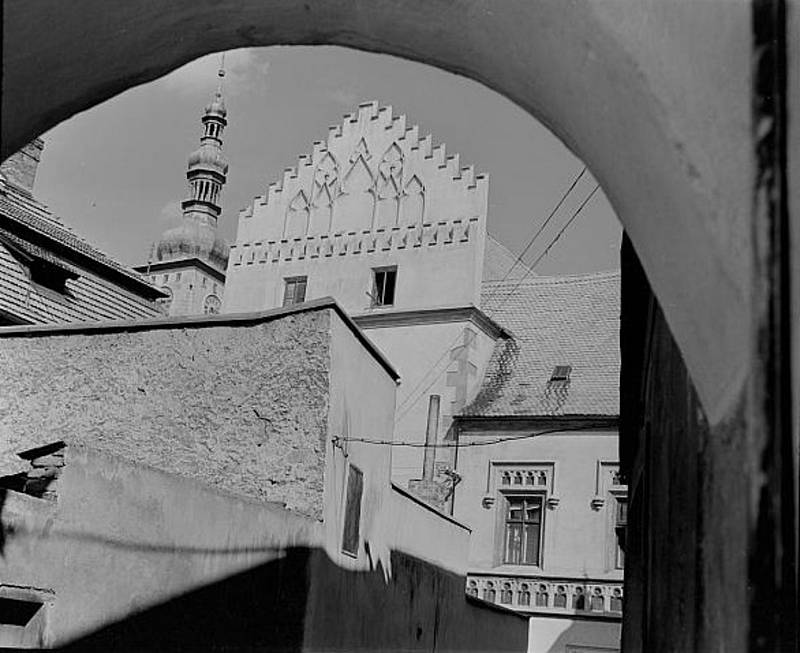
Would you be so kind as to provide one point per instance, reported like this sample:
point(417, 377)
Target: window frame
point(620, 525)
point(541, 498)
point(294, 283)
point(378, 297)
point(351, 519)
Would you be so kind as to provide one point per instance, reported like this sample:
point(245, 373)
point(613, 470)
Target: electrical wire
point(453, 445)
point(540, 230)
point(401, 412)
point(547, 249)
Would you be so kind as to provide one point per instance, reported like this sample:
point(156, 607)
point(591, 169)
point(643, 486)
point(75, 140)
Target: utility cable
point(452, 445)
point(401, 412)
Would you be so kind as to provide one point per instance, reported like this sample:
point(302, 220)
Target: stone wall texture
point(242, 408)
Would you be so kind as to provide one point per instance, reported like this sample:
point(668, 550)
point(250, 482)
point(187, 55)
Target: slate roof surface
point(16, 208)
point(554, 321)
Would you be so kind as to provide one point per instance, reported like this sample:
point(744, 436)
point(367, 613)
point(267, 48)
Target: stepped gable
point(554, 321)
point(372, 174)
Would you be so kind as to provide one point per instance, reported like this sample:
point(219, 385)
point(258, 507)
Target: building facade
point(188, 262)
point(382, 219)
point(538, 463)
point(48, 273)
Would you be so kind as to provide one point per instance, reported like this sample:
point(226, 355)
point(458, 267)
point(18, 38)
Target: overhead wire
point(400, 412)
point(482, 443)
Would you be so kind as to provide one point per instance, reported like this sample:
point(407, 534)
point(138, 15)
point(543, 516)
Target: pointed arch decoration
point(356, 206)
point(413, 202)
point(326, 188)
point(361, 151)
point(389, 183)
point(297, 216)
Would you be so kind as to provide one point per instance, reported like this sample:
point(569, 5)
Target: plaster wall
point(361, 401)
point(190, 287)
point(242, 406)
point(559, 635)
point(447, 359)
point(124, 537)
point(579, 540)
point(428, 275)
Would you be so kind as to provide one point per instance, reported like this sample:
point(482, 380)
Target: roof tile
point(553, 321)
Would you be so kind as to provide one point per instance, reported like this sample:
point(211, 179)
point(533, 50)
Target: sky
point(116, 173)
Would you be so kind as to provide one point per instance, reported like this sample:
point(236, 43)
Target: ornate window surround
point(530, 474)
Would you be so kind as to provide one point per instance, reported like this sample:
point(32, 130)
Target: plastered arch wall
point(654, 96)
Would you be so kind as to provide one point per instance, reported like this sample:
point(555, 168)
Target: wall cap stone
point(200, 322)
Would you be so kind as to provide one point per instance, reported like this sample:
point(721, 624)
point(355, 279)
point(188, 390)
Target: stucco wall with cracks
point(242, 408)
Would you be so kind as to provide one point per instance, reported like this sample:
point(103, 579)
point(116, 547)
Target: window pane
point(378, 292)
point(532, 544)
point(352, 516)
point(622, 512)
point(300, 292)
point(515, 510)
point(533, 511)
point(388, 291)
point(513, 543)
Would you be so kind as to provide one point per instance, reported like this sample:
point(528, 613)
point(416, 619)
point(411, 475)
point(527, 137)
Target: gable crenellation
point(373, 172)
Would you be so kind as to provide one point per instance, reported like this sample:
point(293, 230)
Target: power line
point(452, 445)
point(489, 298)
point(547, 249)
point(541, 228)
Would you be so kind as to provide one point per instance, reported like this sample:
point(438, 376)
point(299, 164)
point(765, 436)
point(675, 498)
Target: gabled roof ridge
point(59, 232)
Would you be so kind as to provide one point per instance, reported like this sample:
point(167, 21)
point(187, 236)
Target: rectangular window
point(384, 282)
point(294, 290)
point(620, 526)
point(523, 529)
point(352, 511)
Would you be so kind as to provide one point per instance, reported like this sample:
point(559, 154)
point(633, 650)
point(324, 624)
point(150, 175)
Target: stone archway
point(656, 97)
point(608, 78)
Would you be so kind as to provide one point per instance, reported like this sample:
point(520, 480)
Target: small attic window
point(561, 374)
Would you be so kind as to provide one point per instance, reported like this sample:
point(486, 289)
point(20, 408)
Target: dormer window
point(384, 281)
point(561, 374)
point(43, 267)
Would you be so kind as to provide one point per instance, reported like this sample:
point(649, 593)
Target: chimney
point(431, 432)
point(20, 167)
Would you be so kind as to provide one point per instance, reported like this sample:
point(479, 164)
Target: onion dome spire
point(206, 173)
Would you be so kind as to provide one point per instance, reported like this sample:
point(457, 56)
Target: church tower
point(190, 260)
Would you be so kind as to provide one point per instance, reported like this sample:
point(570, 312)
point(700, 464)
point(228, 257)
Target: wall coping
point(200, 322)
point(476, 425)
point(421, 503)
point(182, 263)
point(414, 317)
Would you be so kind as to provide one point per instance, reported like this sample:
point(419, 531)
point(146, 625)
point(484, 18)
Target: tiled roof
point(16, 207)
point(554, 321)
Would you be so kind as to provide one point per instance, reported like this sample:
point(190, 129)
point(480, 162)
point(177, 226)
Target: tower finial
point(221, 72)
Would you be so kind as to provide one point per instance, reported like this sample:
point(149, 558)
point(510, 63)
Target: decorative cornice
point(182, 263)
point(567, 596)
point(384, 319)
point(444, 233)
